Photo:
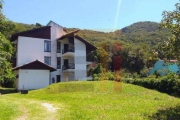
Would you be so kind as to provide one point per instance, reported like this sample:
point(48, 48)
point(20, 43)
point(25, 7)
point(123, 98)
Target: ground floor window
point(58, 78)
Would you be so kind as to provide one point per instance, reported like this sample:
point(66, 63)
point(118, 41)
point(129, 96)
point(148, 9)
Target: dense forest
point(141, 32)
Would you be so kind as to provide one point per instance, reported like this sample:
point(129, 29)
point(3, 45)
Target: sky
point(100, 15)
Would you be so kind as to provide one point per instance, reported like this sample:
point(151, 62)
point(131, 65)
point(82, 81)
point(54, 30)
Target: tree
point(5, 56)
point(1, 1)
point(5, 52)
point(171, 21)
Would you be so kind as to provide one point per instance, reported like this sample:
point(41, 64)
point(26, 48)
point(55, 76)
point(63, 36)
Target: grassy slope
point(133, 102)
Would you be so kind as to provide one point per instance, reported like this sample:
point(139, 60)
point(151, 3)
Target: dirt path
point(25, 114)
point(27, 109)
point(49, 107)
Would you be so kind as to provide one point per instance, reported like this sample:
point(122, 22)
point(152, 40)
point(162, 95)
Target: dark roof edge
point(18, 34)
point(49, 67)
point(85, 41)
point(66, 35)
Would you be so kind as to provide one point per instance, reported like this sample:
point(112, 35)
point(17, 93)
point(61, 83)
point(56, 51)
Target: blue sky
point(103, 15)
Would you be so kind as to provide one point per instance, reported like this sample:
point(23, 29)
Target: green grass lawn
point(90, 100)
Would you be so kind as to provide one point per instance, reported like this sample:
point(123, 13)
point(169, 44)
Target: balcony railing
point(70, 49)
point(68, 66)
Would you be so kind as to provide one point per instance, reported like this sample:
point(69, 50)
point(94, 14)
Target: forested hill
point(143, 32)
point(140, 32)
point(141, 26)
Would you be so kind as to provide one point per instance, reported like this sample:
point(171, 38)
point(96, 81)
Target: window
point(58, 62)
point(47, 60)
point(47, 46)
point(58, 47)
point(53, 80)
point(58, 78)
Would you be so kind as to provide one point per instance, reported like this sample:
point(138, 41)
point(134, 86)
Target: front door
point(66, 63)
point(66, 48)
point(58, 78)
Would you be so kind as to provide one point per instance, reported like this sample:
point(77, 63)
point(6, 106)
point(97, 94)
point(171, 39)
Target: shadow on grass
point(7, 90)
point(172, 113)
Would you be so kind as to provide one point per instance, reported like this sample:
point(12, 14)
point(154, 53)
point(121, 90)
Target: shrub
point(104, 76)
point(95, 77)
point(169, 84)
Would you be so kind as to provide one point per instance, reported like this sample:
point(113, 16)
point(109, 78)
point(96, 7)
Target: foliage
point(169, 84)
point(107, 76)
point(95, 69)
point(5, 52)
point(171, 21)
point(5, 56)
point(1, 4)
point(144, 73)
point(141, 32)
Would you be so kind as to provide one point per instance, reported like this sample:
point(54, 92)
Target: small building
point(33, 75)
point(162, 68)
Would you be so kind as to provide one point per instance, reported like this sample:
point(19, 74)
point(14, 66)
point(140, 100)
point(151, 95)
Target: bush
point(95, 77)
point(169, 84)
point(104, 76)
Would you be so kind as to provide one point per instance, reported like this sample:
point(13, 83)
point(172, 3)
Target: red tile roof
point(37, 65)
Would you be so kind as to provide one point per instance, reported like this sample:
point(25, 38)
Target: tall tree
point(5, 51)
point(171, 21)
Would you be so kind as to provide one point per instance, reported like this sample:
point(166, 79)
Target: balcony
point(69, 67)
point(68, 52)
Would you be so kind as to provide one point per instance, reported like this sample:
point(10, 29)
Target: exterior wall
point(163, 69)
point(30, 49)
point(56, 32)
point(33, 79)
point(80, 60)
point(68, 76)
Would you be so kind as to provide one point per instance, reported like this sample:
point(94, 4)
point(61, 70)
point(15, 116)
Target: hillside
point(143, 32)
point(90, 100)
point(13, 27)
point(140, 32)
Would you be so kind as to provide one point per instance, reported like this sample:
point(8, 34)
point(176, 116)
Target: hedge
point(169, 85)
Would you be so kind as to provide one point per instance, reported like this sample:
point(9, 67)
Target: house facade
point(161, 68)
point(55, 47)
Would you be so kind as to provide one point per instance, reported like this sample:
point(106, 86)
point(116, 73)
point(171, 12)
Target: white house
point(61, 55)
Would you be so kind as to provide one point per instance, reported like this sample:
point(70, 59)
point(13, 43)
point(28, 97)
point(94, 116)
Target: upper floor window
point(47, 60)
point(47, 46)
point(58, 62)
point(58, 47)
